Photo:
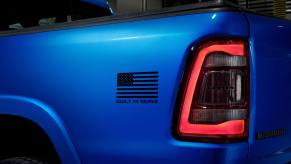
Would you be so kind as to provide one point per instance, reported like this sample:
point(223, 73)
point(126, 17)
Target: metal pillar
point(144, 5)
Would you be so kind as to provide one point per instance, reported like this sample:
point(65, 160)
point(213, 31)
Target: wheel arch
point(46, 119)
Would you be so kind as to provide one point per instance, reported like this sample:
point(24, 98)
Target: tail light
point(215, 98)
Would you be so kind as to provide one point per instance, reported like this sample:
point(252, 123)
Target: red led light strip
point(234, 127)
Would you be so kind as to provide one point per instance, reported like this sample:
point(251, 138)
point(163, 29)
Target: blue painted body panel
point(69, 79)
point(270, 45)
point(100, 3)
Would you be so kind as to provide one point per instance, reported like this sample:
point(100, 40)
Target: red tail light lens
point(215, 100)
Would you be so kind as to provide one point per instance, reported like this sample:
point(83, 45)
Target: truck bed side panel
point(75, 70)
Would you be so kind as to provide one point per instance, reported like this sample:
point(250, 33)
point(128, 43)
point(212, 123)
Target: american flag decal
point(138, 85)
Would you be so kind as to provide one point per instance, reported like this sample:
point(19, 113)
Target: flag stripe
point(137, 89)
point(153, 77)
point(138, 85)
point(150, 93)
point(145, 80)
point(140, 73)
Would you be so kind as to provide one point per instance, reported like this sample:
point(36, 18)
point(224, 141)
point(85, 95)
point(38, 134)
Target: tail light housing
point(215, 98)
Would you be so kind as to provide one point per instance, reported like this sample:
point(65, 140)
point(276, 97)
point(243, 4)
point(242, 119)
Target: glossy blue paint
point(100, 3)
point(271, 75)
point(72, 74)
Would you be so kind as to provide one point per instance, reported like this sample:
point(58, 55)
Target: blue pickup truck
point(202, 83)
